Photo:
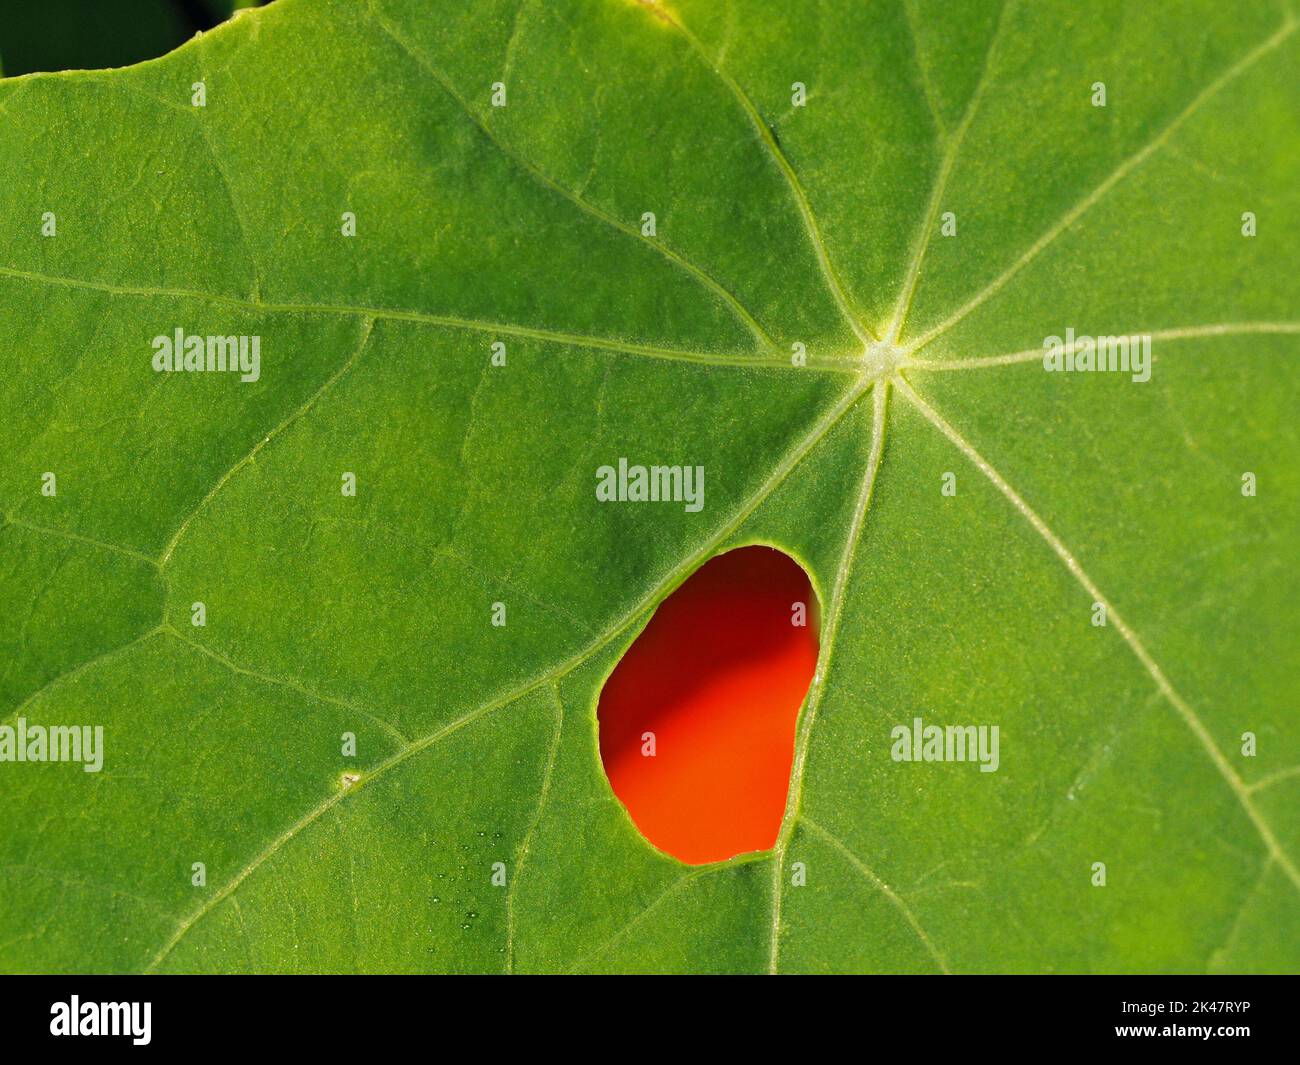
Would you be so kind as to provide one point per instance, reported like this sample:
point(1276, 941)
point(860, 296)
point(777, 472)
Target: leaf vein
point(1184, 711)
point(599, 343)
point(895, 900)
point(925, 231)
point(774, 480)
point(64, 534)
point(788, 172)
point(1118, 174)
point(522, 854)
point(1190, 332)
point(285, 682)
point(536, 173)
point(829, 632)
point(366, 332)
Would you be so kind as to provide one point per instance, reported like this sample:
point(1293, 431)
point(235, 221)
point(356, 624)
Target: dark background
point(92, 34)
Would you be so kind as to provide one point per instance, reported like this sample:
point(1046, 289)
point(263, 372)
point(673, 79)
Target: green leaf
point(775, 225)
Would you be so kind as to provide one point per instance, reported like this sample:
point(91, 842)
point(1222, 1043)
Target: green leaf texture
point(775, 225)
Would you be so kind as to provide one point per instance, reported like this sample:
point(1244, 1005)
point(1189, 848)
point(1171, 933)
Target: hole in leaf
point(697, 721)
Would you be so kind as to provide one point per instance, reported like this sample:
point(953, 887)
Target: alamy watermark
point(1085, 354)
point(197, 354)
point(920, 742)
point(102, 1018)
point(651, 484)
point(21, 742)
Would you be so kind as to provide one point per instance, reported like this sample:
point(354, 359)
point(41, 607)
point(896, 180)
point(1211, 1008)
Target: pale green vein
point(521, 854)
point(508, 63)
point(206, 907)
point(79, 880)
point(80, 668)
point(64, 534)
point(668, 892)
point(923, 69)
point(676, 258)
point(952, 148)
point(366, 332)
point(1185, 712)
point(286, 682)
point(625, 930)
point(1191, 332)
point(1116, 176)
point(778, 475)
point(243, 934)
point(493, 583)
point(788, 172)
point(1266, 867)
point(880, 886)
point(507, 329)
point(830, 629)
point(319, 811)
point(1274, 778)
point(199, 115)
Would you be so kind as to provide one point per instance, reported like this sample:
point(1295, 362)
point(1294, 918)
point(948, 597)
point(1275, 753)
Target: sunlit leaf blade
point(775, 225)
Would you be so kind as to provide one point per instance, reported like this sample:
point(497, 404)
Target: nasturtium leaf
point(814, 248)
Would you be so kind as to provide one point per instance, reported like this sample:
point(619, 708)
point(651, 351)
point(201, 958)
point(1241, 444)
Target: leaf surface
point(775, 225)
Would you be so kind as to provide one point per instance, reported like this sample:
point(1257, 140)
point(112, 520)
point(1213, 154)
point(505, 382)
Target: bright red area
point(718, 676)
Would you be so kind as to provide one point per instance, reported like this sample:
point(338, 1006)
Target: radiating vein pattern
point(344, 621)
